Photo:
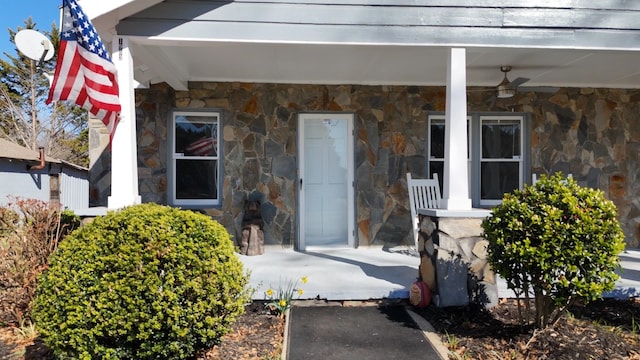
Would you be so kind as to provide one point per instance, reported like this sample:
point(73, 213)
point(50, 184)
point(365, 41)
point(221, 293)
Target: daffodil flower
point(279, 300)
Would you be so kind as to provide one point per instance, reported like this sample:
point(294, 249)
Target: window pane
point(436, 167)
point(196, 135)
point(498, 178)
point(500, 139)
point(437, 139)
point(196, 179)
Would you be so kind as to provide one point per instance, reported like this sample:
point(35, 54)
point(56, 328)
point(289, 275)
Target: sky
point(14, 12)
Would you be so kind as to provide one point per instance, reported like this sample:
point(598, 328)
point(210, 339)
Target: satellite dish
point(34, 45)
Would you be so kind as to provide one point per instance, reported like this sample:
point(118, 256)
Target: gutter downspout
point(42, 163)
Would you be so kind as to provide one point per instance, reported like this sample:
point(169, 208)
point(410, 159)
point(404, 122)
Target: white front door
point(326, 180)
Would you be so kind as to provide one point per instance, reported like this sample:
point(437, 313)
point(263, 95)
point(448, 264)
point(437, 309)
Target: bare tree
point(25, 119)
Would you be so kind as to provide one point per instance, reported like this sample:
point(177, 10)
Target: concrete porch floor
point(370, 273)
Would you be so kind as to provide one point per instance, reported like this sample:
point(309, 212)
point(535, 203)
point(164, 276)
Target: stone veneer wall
point(454, 264)
point(594, 134)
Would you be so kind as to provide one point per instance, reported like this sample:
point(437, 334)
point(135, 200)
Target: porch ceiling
point(179, 61)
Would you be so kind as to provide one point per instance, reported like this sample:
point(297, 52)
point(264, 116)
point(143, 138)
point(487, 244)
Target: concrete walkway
point(335, 274)
point(373, 273)
point(351, 277)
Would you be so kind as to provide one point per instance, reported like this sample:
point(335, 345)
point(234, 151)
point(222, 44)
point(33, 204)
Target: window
point(435, 137)
point(194, 164)
point(497, 160)
point(501, 159)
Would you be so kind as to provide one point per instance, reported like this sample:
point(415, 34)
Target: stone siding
point(594, 134)
point(454, 264)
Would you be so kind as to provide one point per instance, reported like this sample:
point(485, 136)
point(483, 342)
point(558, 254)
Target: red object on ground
point(419, 294)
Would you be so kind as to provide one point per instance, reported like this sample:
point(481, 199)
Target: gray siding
point(74, 189)
point(575, 24)
point(15, 180)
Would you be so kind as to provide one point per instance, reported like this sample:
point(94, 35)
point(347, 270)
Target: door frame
point(350, 147)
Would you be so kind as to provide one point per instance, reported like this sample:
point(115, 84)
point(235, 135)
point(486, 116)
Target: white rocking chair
point(423, 194)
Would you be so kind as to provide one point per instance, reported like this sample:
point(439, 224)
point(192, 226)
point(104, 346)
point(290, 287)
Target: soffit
point(217, 49)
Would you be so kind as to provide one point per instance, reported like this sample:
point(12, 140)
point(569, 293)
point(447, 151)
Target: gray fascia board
point(586, 39)
point(556, 4)
point(367, 15)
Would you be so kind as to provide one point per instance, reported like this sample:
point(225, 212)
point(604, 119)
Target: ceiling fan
point(507, 88)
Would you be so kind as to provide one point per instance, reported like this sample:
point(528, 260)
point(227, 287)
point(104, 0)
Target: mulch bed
point(256, 335)
point(605, 329)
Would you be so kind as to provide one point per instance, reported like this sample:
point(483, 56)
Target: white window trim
point(475, 154)
point(519, 160)
point(173, 157)
point(470, 147)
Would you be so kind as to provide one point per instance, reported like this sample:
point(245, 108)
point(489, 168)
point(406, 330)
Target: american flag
point(202, 147)
point(84, 71)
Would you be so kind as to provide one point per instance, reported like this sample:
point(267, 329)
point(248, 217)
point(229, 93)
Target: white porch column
point(124, 156)
point(456, 178)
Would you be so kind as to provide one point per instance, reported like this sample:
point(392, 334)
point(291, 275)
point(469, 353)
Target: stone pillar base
point(453, 262)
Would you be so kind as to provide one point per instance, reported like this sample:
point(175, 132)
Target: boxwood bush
point(145, 282)
point(557, 240)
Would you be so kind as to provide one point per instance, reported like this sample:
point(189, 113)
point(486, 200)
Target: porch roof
point(570, 43)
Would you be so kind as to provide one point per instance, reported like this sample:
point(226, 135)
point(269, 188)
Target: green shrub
point(145, 282)
point(69, 221)
point(557, 240)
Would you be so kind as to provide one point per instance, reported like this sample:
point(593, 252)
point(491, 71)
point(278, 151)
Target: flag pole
point(87, 75)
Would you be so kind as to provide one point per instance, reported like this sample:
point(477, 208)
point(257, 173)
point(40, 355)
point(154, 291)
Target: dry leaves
point(256, 335)
point(608, 329)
